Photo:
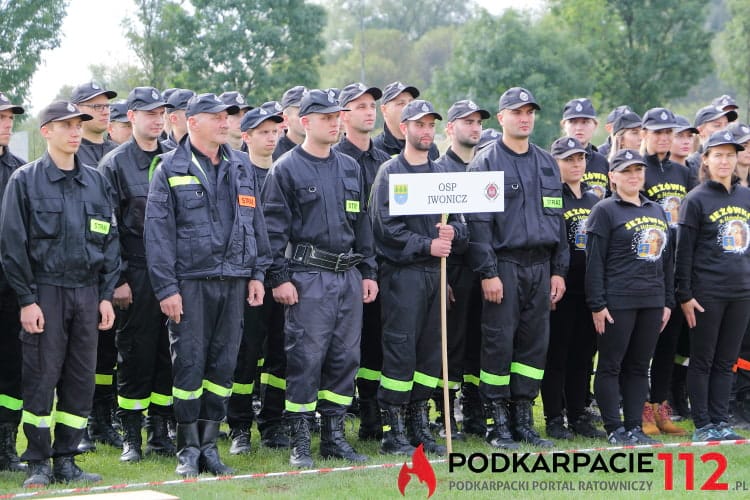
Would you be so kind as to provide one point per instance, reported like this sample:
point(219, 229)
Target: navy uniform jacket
point(532, 224)
point(8, 163)
point(285, 144)
point(713, 259)
point(193, 232)
point(91, 153)
point(387, 142)
point(369, 160)
point(58, 230)
point(320, 201)
point(402, 240)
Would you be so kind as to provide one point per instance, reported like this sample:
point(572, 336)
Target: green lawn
point(381, 483)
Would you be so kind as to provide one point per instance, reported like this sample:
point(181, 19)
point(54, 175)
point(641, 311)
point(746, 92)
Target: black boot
point(131, 445)
point(275, 435)
point(498, 430)
point(333, 443)
point(472, 409)
point(65, 470)
point(240, 436)
point(210, 460)
point(439, 424)
point(100, 425)
point(394, 440)
point(8, 456)
point(418, 428)
point(370, 426)
point(522, 425)
point(157, 436)
point(188, 449)
point(86, 445)
point(40, 474)
point(300, 455)
point(172, 428)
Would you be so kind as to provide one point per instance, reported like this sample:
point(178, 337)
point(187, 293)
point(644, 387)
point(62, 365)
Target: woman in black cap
point(713, 283)
point(626, 133)
point(629, 277)
point(572, 339)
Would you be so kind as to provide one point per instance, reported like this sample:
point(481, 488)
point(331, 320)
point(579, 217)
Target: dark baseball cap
point(118, 112)
point(725, 101)
point(179, 98)
point(567, 146)
point(516, 97)
point(89, 90)
point(293, 96)
point(395, 89)
point(235, 98)
point(61, 110)
point(682, 124)
point(721, 138)
point(615, 113)
point(6, 105)
point(417, 109)
point(627, 120)
point(256, 116)
point(658, 119)
point(624, 158)
point(740, 131)
point(465, 107)
point(710, 113)
point(167, 93)
point(319, 101)
point(356, 90)
point(488, 135)
point(579, 108)
point(146, 99)
point(208, 103)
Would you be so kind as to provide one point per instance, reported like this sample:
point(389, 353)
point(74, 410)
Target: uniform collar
point(453, 156)
point(54, 174)
point(618, 199)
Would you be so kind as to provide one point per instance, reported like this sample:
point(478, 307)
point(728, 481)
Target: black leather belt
point(304, 253)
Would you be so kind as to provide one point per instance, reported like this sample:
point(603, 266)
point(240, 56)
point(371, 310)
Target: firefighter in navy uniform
point(358, 123)
point(234, 98)
point(60, 252)
point(260, 133)
point(464, 130)
point(314, 202)
point(144, 374)
point(410, 248)
point(522, 256)
point(396, 95)
point(10, 325)
point(119, 129)
point(176, 106)
point(295, 133)
point(206, 250)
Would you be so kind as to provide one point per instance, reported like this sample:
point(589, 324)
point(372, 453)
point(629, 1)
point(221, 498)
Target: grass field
point(382, 483)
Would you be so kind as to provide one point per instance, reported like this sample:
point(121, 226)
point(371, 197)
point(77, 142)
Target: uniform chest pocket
point(513, 187)
point(307, 195)
point(98, 221)
point(352, 192)
point(46, 218)
point(552, 202)
point(246, 202)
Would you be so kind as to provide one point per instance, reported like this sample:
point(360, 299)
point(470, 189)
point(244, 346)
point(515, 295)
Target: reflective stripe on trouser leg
point(273, 377)
point(370, 351)
point(10, 358)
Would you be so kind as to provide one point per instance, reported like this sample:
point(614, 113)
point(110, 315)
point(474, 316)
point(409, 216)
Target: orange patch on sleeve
point(247, 200)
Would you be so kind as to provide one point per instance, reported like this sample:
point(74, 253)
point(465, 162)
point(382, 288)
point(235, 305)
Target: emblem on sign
point(491, 191)
point(401, 193)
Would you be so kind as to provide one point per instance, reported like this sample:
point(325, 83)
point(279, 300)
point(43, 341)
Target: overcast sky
point(92, 34)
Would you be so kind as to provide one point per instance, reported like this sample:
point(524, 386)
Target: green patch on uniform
point(99, 226)
point(552, 202)
point(352, 206)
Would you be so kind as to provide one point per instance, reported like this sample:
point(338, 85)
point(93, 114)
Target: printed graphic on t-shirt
point(597, 183)
point(733, 232)
point(650, 237)
point(575, 219)
point(669, 196)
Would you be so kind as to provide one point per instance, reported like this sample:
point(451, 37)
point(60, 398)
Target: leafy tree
point(120, 78)
point(492, 54)
point(641, 52)
point(28, 28)
point(733, 47)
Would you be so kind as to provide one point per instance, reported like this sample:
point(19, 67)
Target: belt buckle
point(301, 252)
point(342, 262)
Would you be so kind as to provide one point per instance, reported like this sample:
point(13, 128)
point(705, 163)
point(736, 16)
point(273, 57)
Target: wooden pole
point(444, 346)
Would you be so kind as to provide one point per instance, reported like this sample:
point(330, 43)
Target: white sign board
point(446, 193)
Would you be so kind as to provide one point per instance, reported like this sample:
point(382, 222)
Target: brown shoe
point(662, 415)
point(649, 422)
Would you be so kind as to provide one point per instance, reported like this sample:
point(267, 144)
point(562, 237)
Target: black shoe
point(275, 436)
point(522, 425)
point(188, 449)
point(641, 437)
point(300, 455)
point(438, 426)
point(8, 456)
point(65, 470)
point(740, 412)
point(131, 444)
point(172, 428)
point(209, 460)
point(473, 411)
point(157, 437)
point(556, 429)
point(240, 437)
point(86, 445)
point(679, 398)
point(418, 428)
point(333, 443)
point(394, 440)
point(583, 426)
point(39, 474)
point(100, 425)
point(621, 437)
point(498, 430)
point(370, 426)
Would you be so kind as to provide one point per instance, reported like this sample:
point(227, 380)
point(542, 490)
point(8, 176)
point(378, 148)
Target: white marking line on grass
point(262, 475)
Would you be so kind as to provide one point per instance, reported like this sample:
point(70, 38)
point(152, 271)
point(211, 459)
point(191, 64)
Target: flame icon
point(421, 468)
